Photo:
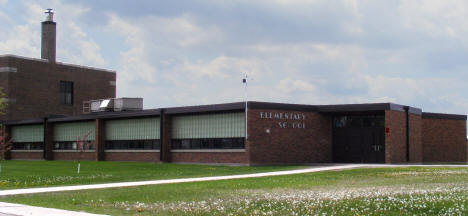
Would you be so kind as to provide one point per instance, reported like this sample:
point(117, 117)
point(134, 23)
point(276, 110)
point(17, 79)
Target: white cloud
point(305, 51)
point(133, 63)
point(436, 18)
point(73, 43)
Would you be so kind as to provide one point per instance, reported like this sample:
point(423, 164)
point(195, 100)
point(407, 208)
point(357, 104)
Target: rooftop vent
point(113, 105)
point(50, 14)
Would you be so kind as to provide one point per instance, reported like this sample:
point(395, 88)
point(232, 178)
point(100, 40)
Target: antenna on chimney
point(50, 14)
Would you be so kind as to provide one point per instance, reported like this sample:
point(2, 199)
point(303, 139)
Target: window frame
point(208, 143)
point(66, 91)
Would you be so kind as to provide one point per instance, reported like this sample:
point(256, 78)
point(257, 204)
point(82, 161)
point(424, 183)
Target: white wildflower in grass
point(32, 181)
point(397, 199)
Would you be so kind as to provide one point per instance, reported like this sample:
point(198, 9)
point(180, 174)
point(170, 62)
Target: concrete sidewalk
point(12, 209)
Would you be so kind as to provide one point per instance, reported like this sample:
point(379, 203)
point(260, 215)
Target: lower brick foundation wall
point(26, 155)
point(74, 156)
point(209, 157)
point(132, 156)
point(444, 140)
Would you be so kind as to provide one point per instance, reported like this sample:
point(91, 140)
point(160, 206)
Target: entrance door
point(358, 145)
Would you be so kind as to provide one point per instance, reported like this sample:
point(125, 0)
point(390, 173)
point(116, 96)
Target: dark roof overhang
point(226, 107)
point(109, 115)
point(443, 116)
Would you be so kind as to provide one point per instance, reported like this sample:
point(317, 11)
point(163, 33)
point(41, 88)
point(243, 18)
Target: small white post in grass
point(80, 146)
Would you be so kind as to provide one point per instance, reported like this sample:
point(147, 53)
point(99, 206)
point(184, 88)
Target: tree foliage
point(3, 101)
point(5, 144)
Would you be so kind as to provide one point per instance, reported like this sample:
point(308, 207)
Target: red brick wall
point(416, 148)
point(26, 155)
point(74, 156)
point(395, 140)
point(100, 139)
point(166, 137)
point(312, 144)
point(209, 157)
point(132, 156)
point(444, 140)
point(35, 86)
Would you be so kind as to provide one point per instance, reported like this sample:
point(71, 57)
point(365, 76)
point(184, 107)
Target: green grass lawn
point(377, 191)
point(26, 174)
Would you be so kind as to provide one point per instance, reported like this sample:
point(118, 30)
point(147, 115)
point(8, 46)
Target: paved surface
point(11, 209)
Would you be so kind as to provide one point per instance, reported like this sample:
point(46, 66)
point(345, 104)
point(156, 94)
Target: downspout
point(407, 134)
point(44, 129)
point(161, 133)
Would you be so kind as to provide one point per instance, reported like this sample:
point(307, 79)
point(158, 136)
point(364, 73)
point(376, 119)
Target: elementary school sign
point(286, 119)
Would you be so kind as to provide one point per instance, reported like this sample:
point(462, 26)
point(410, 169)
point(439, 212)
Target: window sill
point(21, 150)
point(207, 150)
point(131, 150)
point(71, 150)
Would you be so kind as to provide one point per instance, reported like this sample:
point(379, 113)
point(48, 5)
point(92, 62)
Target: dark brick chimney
point(48, 37)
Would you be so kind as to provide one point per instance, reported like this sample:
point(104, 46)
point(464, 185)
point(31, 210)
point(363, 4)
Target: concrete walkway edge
point(13, 209)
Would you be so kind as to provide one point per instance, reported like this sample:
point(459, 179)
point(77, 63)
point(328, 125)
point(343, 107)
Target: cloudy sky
point(194, 52)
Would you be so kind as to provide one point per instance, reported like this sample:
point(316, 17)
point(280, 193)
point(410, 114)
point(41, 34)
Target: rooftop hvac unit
point(124, 104)
point(106, 105)
point(113, 104)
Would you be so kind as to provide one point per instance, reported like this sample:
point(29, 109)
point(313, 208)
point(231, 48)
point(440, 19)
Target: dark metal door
point(358, 145)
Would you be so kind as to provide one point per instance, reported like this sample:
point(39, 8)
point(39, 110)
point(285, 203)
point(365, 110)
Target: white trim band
point(8, 69)
point(72, 150)
point(207, 150)
point(131, 150)
point(24, 150)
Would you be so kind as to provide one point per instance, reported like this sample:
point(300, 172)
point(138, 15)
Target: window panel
point(133, 144)
point(28, 145)
point(66, 92)
point(209, 143)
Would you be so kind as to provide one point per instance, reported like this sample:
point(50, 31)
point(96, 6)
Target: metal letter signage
point(286, 119)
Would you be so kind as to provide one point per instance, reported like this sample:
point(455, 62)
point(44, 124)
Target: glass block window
point(220, 125)
point(71, 131)
point(133, 129)
point(27, 133)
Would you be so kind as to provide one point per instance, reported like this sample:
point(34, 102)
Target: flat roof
point(366, 107)
point(240, 107)
point(56, 62)
point(443, 116)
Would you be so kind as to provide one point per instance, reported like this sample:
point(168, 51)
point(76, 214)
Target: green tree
point(3, 102)
point(5, 142)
